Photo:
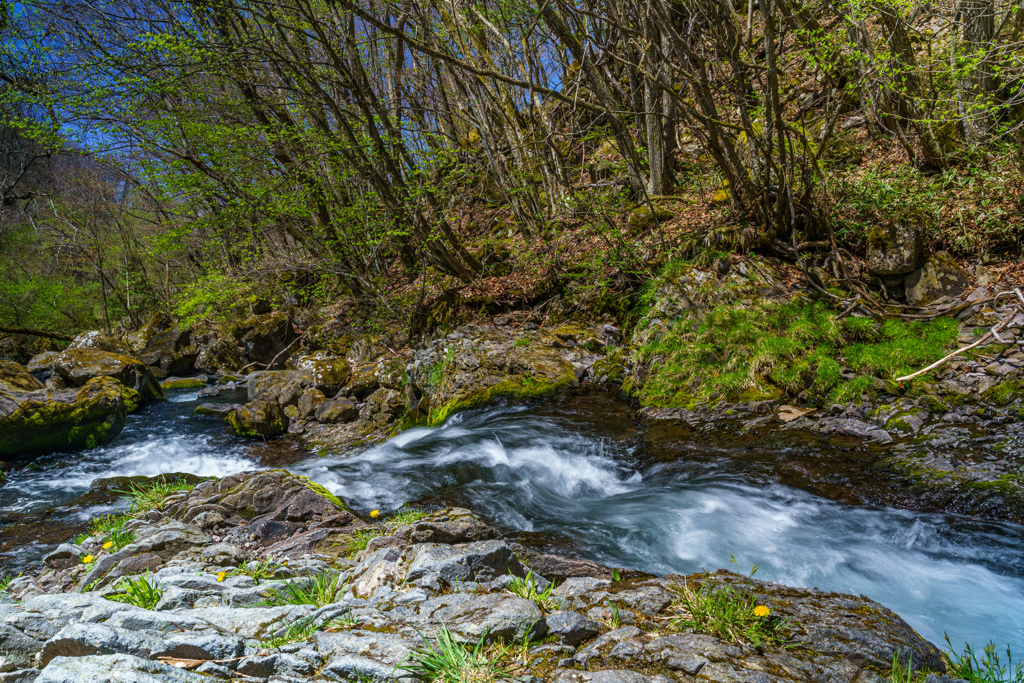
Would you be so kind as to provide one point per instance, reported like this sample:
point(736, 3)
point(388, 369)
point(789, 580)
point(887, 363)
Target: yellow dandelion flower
point(220, 576)
point(375, 514)
point(88, 559)
point(762, 611)
point(108, 545)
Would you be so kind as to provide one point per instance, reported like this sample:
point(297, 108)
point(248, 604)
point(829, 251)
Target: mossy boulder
point(894, 249)
point(646, 217)
point(309, 401)
point(98, 341)
point(38, 422)
point(266, 384)
point(171, 350)
point(612, 368)
point(261, 418)
point(140, 338)
point(13, 377)
point(939, 276)
point(42, 362)
point(336, 411)
point(79, 365)
point(220, 356)
point(172, 383)
point(325, 372)
point(264, 337)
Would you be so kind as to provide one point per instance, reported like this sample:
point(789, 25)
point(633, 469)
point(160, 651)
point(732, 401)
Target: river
point(579, 477)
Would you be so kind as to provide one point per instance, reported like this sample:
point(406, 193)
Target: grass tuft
point(725, 612)
point(448, 661)
point(528, 588)
point(321, 589)
point(987, 668)
point(150, 496)
point(258, 571)
point(139, 591)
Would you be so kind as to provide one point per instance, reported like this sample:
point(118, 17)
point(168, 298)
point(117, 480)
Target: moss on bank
point(525, 387)
point(769, 350)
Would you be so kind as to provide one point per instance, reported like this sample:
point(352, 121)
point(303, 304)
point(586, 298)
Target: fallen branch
point(272, 360)
point(991, 334)
point(35, 333)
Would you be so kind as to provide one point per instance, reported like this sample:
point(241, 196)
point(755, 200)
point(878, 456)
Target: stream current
point(577, 478)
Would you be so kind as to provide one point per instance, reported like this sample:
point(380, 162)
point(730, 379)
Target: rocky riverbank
point(226, 566)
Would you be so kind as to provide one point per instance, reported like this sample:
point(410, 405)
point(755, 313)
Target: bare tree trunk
point(978, 24)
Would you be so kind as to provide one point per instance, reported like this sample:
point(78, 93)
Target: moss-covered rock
point(172, 383)
point(94, 339)
point(894, 249)
point(612, 368)
point(266, 384)
point(171, 350)
point(13, 377)
point(260, 418)
point(326, 373)
point(220, 356)
point(264, 336)
point(645, 217)
point(139, 339)
point(42, 362)
point(79, 365)
point(1002, 394)
point(939, 276)
point(43, 421)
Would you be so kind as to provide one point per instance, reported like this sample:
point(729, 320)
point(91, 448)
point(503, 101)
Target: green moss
point(1002, 394)
point(904, 348)
point(321, 491)
point(518, 387)
point(132, 399)
point(182, 383)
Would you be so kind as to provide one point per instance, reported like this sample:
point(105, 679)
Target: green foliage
point(904, 347)
point(321, 589)
point(107, 524)
point(987, 668)
point(448, 661)
point(138, 591)
point(722, 611)
point(528, 588)
point(360, 539)
point(900, 674)
point(301, 630)
point(150, 496)
point(5, 581)
point(119, 538)
point(522, 341)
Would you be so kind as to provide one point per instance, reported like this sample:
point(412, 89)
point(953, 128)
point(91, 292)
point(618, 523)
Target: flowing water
point(579, 478)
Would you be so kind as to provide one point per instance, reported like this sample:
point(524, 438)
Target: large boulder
point(139, 339)
point(265, 336)
point(939, 276)
point(171, 350)
point(335, 411)
point(325, 372)
point(94, 339)
point(45, 421)
point(42, 362)
point(894, 249)
point(13, 377)
point(260, 418)
point(266, 384)
point(79, 365)
point(220, 356)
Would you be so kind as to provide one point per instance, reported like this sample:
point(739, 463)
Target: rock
point(64, 556)
point(572, 628)
point(98, 341)
point(506, 618)
point(46, 421)
point(42, 362)
point(644, 217)
point(171, 350)
point(139, 339)
point(221, 410)
point(326, 373)
point(13, 377)
point(894, 249)
point(182, 383)
point(117, 668)
point(610, 676)
point(382, 408)
point(266, 384)
point(336, 411)
point(436, 565)
point(259, 418)
point(309, 401)
point(939, 276)
point(363, 655)
point(454, 525)
point(220, 356)
point(79, 365)
point(362, 382)
point(265, 336)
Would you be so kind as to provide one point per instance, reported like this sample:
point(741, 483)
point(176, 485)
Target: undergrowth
point(323, 588)
point(258, 571)
point(986, 668)
point(529, 589)
point(362, 538)
point(150, 496)
point(770, 350)
point(139, 591)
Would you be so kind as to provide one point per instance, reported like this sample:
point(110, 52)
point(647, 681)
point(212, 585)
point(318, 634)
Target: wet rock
point(336, 411)
point(572, 628)
point(939, 276)
point(259, 418)
point(47, 421)
point(13, 377)
point(79, 365)
point(894, 249)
